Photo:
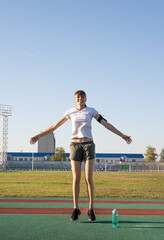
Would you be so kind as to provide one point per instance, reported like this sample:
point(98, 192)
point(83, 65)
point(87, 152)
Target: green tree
point(59, 154)
point(162, 155)
point(150, 155)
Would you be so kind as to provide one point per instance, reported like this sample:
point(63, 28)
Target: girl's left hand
point(127, 139)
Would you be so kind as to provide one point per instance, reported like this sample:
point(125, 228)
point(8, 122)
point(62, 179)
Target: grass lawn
point(59, 184)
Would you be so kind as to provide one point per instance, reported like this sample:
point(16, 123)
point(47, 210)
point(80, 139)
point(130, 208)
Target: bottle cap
point(114, 211)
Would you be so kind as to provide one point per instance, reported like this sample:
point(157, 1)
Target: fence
point(66, 166)
point(38, 165)
point(131, 167)
point(143, 167)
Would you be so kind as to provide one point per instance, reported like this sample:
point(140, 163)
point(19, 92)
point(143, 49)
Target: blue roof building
point(108, 156)
point(103, 161)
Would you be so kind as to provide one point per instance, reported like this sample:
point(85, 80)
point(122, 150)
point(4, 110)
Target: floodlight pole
point(32, 161)
point(5, 111)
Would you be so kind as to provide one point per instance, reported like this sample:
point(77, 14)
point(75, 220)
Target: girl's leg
point(89, 166)
point(85, 179)
point(76, 172)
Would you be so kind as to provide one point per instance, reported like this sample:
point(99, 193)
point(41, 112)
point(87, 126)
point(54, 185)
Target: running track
point(66, 211)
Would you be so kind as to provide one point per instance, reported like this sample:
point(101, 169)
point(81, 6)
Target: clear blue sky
point(112, 49)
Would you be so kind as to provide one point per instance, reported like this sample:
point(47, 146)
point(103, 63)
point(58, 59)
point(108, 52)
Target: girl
point(82, 147)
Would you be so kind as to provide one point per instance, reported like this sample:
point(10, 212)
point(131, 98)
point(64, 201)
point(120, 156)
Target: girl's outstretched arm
point(52, 128)
point(113, 129)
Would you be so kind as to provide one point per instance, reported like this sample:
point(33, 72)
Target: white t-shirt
point(81, 121)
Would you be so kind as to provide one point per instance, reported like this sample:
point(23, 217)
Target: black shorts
point(82, 151)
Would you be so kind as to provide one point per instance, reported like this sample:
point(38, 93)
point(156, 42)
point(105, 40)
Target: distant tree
point(59, 154)
point(162, 155)
point(150, 155)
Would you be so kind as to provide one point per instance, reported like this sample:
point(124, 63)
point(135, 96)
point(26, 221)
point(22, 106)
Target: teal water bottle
point(114, 218)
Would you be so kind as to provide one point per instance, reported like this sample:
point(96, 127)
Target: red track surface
point(98, 211)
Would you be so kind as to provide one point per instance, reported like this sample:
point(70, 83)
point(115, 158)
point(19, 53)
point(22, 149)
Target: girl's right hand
point(34, 139)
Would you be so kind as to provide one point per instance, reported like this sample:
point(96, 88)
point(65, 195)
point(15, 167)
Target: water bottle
point(114, 218)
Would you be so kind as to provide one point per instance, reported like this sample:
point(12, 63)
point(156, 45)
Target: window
point(122, 159)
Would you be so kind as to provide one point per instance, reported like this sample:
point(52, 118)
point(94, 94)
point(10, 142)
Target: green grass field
point(59, 184)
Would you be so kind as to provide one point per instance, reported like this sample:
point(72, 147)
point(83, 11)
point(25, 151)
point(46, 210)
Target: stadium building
point(46, 144)
point(42, 161)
